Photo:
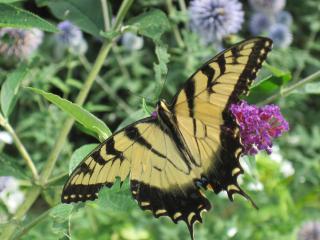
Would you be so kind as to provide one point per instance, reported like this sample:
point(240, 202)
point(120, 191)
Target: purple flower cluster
point(270, 19)
point(258, 126)
point(213, 20)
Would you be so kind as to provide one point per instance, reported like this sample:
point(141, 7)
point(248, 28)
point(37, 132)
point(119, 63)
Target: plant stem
point(22, 150)
point(122, 13)
point(28, 226)
point(284, 92)
point(122, 104)
point(182, 5)
point(175, 29)
point(105, 12)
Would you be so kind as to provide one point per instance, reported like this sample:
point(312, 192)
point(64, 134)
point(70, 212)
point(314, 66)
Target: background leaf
point(80, 114)
point(10, 87)
point(11, 167)
point(86, 14)
point(152, 24)
point(79, 154)
point(15, 17)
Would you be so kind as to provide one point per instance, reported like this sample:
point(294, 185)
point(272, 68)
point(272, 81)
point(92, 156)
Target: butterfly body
point(183, 148)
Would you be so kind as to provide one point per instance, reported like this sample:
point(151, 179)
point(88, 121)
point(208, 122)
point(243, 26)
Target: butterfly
point(183, 148)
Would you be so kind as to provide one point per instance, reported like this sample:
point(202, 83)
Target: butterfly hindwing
point(160, 179)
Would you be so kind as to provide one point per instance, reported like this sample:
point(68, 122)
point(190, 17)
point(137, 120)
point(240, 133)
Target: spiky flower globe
point(19, 44)
point(258, 126)
point(267, 6)
point(281, 35)
point(213, 20)
point(71, 38)
point(284, 17)
point(260, 23)
point(131, 41)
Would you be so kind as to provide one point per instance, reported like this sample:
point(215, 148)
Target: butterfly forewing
point(203, 117)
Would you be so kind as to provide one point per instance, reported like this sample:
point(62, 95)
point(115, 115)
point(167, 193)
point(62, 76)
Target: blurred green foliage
point(127, 87)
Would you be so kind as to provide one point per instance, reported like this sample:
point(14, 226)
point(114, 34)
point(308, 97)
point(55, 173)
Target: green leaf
point(61, 212)
point(12, 16)
point(81, 115)
point(10, 87)
point(117, 198)
point(60, 217)
point(269, 85)
point(79, 155)
point(10, 167)
point(86, 14)
point(152, 24)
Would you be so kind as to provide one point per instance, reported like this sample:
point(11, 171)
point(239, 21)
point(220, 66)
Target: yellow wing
point(202, 112)
point(198, 146)
point(160, 179)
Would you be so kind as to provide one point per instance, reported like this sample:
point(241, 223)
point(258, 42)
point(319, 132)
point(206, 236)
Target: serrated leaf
point(116, 198)
point(15, 17)
point(10, 87)
point(86, 14)
point(61, 212)
point(79, 154)
point(161, 68)
point(152, 24)
point(81, 115)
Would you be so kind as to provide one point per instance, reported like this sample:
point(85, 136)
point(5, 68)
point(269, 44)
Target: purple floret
point(258, 126)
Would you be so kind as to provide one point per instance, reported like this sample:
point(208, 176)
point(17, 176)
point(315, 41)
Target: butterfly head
point(161, 110)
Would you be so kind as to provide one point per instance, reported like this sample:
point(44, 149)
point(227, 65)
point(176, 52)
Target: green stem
point(122, 104)
point(182, 5)
point(286, 91)
point(175, 29)
point(122, 13)
point(30, 225)
point(105, 12)
point(56, 178)
point(22, 150)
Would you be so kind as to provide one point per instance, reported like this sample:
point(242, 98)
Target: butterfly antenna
point(147, 99)
point(163, 82)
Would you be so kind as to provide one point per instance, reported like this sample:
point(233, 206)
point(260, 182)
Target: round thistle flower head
point(71, 37)
point(213, 20)
point(267, 6)
point(19, 44)
point(309, 231)
point(131, 41)
point(258, 126)
point(281, 35)
point(259, 23)
point(284, 17)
